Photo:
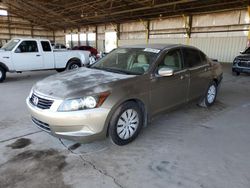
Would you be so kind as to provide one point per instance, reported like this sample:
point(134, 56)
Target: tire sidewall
point(113, 123)
point(216, 89)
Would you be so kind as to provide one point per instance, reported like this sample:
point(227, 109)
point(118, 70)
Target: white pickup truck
point(29, 54)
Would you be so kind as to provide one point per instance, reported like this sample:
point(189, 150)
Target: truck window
point(46, 46)
point(27, 46)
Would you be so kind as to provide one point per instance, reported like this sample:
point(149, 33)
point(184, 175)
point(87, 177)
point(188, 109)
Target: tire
point(236, 73)
point(210, 96)
point(60, 70)
point(2, 74)
point(126, 123)
point(73, 65)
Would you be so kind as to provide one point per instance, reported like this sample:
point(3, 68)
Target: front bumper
point(83, 126)
point(237, 68)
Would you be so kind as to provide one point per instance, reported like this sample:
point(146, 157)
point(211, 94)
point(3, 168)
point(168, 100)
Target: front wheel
point(210, 95)
point(126, 123)
point(2, 74)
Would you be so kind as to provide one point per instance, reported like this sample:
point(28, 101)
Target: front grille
point(40, 124)
point(244, 63)
point(41, 102)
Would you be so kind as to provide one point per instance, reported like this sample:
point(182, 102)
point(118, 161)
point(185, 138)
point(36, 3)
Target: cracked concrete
point(189, 147)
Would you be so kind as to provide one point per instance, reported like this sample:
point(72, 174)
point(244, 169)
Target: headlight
point(236, 61)
point(88, 102)
point(31, 92)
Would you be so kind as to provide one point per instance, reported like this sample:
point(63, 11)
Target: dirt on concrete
point(20, 143)
point(34, 168)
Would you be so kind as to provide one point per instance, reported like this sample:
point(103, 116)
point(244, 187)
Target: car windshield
point(10, 45)
point(128, 60)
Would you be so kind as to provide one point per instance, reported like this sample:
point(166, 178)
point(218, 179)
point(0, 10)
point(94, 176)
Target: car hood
point(77, 83)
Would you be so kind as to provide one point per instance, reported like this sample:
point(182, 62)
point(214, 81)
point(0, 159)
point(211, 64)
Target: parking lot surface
point(190, 147)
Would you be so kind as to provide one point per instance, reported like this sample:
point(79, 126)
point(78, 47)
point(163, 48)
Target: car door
point(199, 68)
point(167, 92)
point(48, 55)
point(26, 56)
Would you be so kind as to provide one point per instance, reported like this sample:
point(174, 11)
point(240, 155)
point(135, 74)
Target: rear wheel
point(73, 65)
point(2, 74)
point(210, 95)
point(126, 123)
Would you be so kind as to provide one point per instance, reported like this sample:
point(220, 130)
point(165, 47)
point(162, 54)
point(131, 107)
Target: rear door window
point(192, 57)
point(46, 46)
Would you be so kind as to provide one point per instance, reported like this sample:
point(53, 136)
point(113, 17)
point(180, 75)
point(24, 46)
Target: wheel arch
point(4, 66)
point(74, 59)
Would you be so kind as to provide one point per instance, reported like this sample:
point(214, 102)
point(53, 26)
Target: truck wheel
point(2, 74)
point(126, 123)
point(73, 65)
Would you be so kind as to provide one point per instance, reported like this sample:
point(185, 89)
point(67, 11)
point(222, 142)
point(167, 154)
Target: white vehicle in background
point(21, 54)
point(58, 46)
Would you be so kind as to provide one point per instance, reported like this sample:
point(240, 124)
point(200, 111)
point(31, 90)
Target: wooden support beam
point(248, 37)
point(118, 34)
point(96, 36)
point(147, 31)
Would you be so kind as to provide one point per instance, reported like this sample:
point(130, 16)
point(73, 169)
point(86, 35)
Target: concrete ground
point(190, 147)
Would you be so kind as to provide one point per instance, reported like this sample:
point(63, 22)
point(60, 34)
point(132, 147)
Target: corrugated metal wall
point(222, 48)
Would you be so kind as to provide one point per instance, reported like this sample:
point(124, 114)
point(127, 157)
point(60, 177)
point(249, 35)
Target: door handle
point(38, 55)
point(6, 57)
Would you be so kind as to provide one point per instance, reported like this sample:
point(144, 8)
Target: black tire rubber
point(60, 70)
point(72, 63)
point(113, 123)
point(204, 102)
point(236, 73)
point(3, 71)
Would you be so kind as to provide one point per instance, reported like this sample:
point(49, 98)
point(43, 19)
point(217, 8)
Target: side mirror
point(241, 52)
point(165, 72)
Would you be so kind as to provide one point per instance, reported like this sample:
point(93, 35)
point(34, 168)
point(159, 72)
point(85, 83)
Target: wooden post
point(248, 37)
point(96, 36)
point(146, 25)
point(147, 31)
point(117, 34)
point(188, 26)
point(9, 30)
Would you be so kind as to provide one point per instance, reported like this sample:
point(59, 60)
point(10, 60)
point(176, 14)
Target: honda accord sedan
point(118, 95)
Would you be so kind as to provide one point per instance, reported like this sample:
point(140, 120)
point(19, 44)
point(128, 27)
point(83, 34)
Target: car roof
point(29, 38)
point(157, 46)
